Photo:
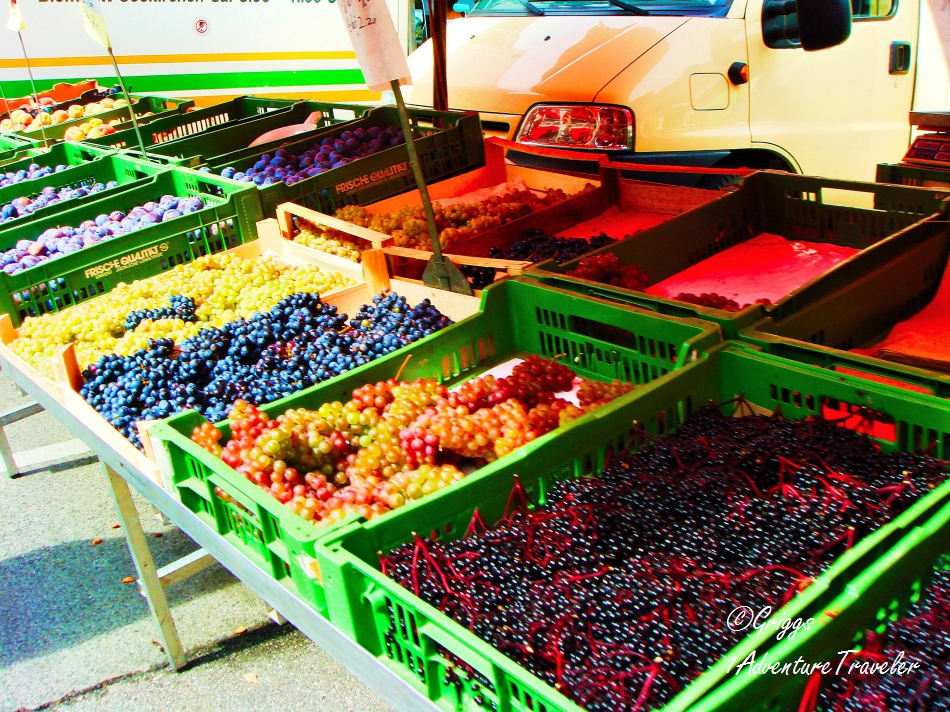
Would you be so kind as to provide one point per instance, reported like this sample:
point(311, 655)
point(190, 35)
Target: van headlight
point(578, 126)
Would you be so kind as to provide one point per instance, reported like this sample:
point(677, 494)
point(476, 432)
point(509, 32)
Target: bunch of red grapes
point(454, 223)
point(617, 591)
point(395, 441)
point(715, 301)
point(606, 269)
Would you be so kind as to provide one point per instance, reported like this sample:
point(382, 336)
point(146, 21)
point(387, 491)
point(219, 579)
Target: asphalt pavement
point(74, 637)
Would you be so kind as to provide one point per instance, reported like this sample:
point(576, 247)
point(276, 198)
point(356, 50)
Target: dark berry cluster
point(618, 590)
point(923, 637)
point(179, 308)
point(271, 355)
point(536, 247)
point(716, 301)
point(607, 268)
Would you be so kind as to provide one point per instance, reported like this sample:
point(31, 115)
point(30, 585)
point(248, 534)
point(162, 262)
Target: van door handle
point(900, 58)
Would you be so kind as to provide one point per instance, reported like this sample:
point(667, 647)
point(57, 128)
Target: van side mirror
point(809, 24)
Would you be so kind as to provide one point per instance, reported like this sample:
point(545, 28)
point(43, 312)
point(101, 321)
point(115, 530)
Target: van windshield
point(518, 8)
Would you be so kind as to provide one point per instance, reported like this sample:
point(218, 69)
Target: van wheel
point(753, 160)
point(718, 182)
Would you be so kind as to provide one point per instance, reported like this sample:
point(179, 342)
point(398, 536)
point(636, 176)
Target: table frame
point(123, 476)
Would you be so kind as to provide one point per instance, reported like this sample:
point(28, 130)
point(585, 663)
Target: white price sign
point(94, 22)
point(375, 42)
point(15, 18)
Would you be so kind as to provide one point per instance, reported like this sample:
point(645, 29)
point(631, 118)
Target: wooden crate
point(372, 277)
point(591, 197)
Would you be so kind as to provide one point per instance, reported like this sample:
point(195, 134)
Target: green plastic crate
point(900, 279)
point(68, 154)
point(101, 169)
point(13, 148)
point(516, 318)
point(171, 128)
point(419, 643)
point(455, 148)
point(795, 207)
point(228, 220)
point(160, 106)
point(913, 176)
point(881, 595)
point(197, 149)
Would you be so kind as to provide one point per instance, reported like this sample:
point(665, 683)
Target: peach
point(75, 111)
point(103, 130)
point(6, 125)
point(93, 108)
point(93, 122)
point(107, 103)
point(74, 133)
point(60, 116)
point(120, 103)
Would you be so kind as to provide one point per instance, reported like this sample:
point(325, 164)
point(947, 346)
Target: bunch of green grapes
point(396, 441)
point(454, 223)
point(224, 287)
point(326, 240)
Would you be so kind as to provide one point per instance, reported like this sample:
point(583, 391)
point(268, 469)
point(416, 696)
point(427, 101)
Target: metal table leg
point(145, 566)
point(12, 416)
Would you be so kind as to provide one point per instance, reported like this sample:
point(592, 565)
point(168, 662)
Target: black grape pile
point(918, 643)
point(536, 247)
point(179, 308)
point(617, 591)
point(271, 355)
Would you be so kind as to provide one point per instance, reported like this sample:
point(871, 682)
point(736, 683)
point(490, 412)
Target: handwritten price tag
point(375, 42)
point(15, 18)
point(94, 22)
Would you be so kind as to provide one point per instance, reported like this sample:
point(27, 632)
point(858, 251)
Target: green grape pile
point(327, 240)
point(397, 441)
point(224, 288)
point(454, 223)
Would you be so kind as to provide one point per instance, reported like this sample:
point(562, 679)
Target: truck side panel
point(209, 50)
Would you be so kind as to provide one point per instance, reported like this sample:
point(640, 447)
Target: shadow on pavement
point(80, 461)
point(55, 597)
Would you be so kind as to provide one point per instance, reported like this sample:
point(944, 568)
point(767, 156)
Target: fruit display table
point(649, 397)
point(128, 468)
point(124, 475)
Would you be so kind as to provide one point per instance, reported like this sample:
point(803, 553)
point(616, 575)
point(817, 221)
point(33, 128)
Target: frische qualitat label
point(380, 175)
point(126, 261)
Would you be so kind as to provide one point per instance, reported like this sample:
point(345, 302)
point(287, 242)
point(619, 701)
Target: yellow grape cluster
point(325, 240)
point(454, 223)
point(225, 287)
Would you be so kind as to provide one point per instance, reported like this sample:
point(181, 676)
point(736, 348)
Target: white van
point(697, 82)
